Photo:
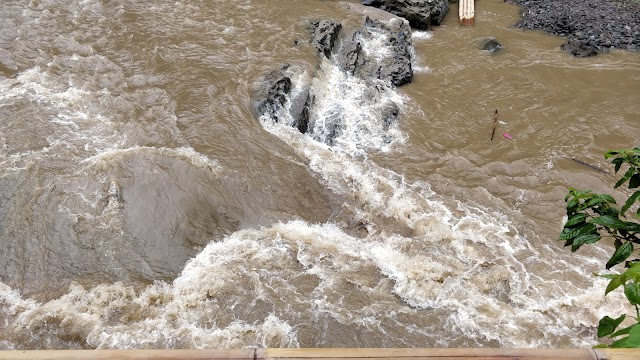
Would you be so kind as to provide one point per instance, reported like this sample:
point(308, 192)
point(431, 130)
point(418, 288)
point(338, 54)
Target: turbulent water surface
point(144, 204)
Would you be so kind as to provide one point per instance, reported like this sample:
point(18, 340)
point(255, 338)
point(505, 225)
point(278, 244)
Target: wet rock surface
point(377, 50)
point(491, 45)
point(591, 26)
point(325, 32)
point(421, 14)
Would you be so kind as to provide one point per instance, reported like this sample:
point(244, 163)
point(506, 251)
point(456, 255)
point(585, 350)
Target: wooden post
point(466, 12)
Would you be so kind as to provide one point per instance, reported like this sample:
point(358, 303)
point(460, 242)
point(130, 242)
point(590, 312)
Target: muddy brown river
point(143, 204)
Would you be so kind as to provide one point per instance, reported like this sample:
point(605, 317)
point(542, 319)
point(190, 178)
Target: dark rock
point(579, 49)
point(324, 34)
point(420, 13)
point(491, 46)
point(397, 67)
point(350, 56)
point(389, 114)
point(598, 24)
point(272, 94)
point(379, 48)
point(278, 85)
point(302, 122)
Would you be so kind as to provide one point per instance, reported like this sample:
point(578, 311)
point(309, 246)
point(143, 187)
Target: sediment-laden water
point(143, 203)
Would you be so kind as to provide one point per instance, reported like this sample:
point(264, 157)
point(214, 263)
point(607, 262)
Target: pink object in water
point(507, 136)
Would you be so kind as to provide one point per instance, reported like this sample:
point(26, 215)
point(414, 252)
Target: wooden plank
point(424, 354)
point(466, 12)
point(618, 354)
point(155, 354)
point(328, 354)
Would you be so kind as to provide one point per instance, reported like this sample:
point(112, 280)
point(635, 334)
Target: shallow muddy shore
point(590, 26)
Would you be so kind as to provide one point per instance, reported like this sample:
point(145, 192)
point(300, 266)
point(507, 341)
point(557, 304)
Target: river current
point(144, 204)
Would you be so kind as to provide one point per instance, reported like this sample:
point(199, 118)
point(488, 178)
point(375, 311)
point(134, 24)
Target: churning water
point(144, 204)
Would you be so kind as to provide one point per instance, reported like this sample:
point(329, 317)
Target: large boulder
point(278, 87)
point(376, 48)
point(421, 14)
point(390, 61)
point(272, 93)
point(395, 68)
point(324, 34)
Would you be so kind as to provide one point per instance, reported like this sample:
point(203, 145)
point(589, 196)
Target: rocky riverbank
point(590, 26)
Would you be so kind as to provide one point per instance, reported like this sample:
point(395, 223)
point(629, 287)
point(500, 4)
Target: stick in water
point(594, 167)
point(495, 123)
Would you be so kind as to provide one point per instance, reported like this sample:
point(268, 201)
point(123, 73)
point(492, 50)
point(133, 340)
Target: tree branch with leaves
point(592, 217)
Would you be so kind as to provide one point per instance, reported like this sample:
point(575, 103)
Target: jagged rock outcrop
point(397, 67)
point(379, 48)
point(278, 88)
point(324, 35)
point(391, 61)
point(421, 14)
point(272, 94)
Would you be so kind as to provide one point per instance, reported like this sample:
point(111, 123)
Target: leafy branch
point(592, 217)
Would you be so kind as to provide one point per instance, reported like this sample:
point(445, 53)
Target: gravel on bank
point(590, 26)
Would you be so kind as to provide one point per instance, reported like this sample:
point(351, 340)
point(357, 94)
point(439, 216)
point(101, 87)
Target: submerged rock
point(579, 49)
point(492, 46)
point(421, 14)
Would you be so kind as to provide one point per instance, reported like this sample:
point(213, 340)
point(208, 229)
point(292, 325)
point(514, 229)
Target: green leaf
point(623, 331)
point(613, 284)
point(584, 239)
point(609, 154)
point(632, 272)
point(606, 198)
point(634, 337)
point(635, 181)
point(618, 162)
point(625, 177)
point(607, 325)
point(591, 203)
point(581, 194)
point(607, 276)
point(621, 254)
point(571, 206)
point(631, 341)
point(622, 343)
point(586, 228)
point(632, 292)
point(608, 221)
point(632, 199)
point(576, 219)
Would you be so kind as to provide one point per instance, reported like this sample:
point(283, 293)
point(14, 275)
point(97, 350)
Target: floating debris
point(594, 167)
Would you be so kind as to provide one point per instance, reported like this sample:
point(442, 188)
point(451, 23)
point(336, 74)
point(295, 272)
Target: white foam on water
point(185, 152)
point(470, 262)
point(421, 35)
point(349, 107)
point(259, 287)
point(456, 272)
point(73, 128)
point(470, 265)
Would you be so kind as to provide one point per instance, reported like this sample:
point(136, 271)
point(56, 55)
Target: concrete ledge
point(329, 354)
